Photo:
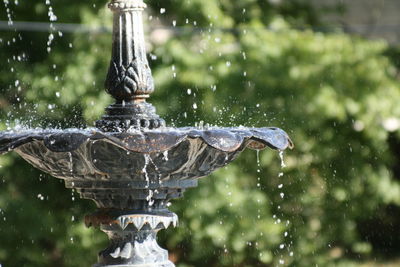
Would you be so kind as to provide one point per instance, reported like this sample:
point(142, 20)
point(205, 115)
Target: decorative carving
point(139, 221)
point(127, 83)
point(133, 238)
point(129, 75)
point(129, 80)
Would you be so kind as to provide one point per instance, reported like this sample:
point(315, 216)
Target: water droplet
point(165, 155)
point(281, 155)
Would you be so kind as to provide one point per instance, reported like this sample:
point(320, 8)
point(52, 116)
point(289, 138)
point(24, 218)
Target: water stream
point(147, 160)
point(8, 11)
point(287, 242)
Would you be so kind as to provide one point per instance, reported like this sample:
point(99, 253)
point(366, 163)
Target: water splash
point(52, 18)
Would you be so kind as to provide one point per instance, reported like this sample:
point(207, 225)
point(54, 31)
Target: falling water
point(52, 18)
point(70, 162)
point(8, 11)
point(147, 160)
point(282, 195)
point(258, 183)
point(144, 170)
point(283, 165)
point(258, 200)
point(165, 155)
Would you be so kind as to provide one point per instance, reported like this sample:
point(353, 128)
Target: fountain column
point(130, 217)
point(129, 80)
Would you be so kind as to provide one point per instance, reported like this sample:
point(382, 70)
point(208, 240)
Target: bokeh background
point(310, 67)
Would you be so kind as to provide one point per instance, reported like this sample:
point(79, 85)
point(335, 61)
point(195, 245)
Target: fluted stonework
point(129, 80)
point(133, 239)
point(129, 75)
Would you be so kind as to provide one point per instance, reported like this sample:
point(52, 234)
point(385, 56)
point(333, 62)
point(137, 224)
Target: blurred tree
point(223, 63)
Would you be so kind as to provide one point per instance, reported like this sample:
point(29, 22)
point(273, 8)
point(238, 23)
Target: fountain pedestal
point(132, 237)
point(129, 79)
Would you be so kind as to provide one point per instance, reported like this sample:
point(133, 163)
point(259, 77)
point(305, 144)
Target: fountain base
point(125, 116)
point(133, 238)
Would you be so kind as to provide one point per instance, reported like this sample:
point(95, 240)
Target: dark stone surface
point(149, 141)
point(132, 238)
point(122, 117)
point(131, 176)
point(129, 75)
point(140, 169)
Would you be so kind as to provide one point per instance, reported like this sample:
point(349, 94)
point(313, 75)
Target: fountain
point(131, 164)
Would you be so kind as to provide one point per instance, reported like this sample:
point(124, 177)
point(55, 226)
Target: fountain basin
point(127, 169)
point(132, 175)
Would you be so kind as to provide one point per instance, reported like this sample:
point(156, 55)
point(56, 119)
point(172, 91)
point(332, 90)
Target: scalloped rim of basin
point(149, 141)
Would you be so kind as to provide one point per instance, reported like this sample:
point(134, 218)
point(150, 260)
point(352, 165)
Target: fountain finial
point(129, 80)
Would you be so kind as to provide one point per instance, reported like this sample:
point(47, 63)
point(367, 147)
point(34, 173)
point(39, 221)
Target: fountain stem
point(129, 76)
point(129, 80)
point(133, 239)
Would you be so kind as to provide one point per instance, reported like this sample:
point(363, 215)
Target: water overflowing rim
point(150, 141)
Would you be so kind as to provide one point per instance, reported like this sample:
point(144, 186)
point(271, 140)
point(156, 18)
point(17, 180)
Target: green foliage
point(244, 65)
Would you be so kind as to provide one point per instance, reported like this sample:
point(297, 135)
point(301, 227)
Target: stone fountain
point(131, 164)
